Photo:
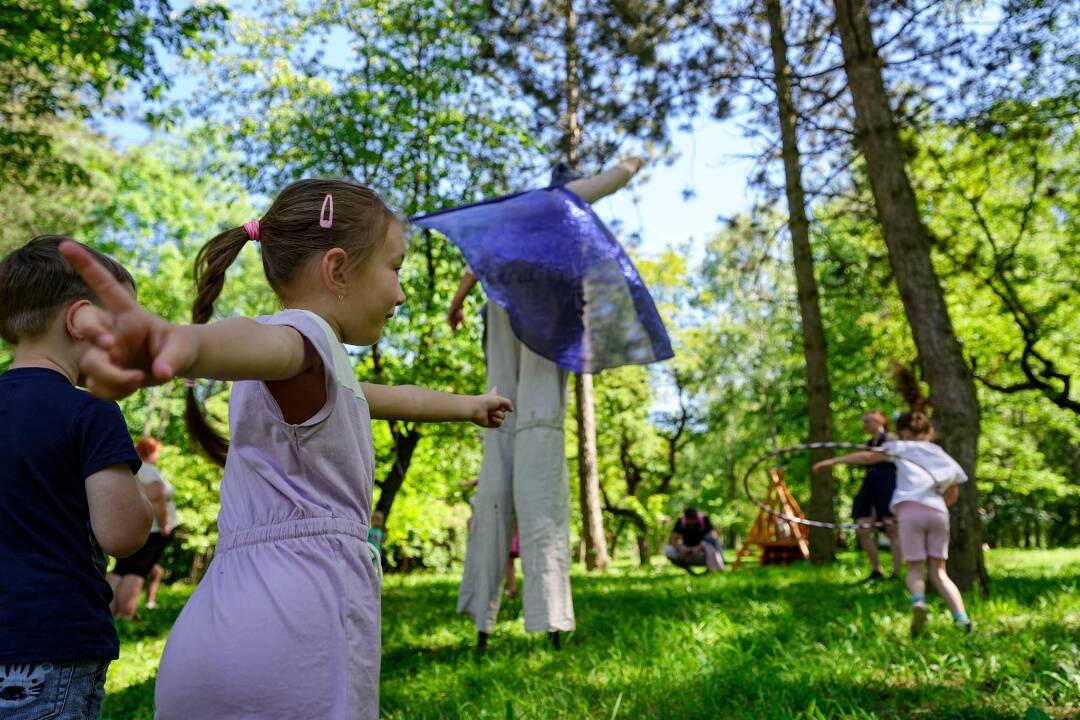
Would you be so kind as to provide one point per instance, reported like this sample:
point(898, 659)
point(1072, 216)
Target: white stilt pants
point(524, 474)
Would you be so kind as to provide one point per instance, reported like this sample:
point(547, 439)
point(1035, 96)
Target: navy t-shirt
point(881, 476)
point(54, 600)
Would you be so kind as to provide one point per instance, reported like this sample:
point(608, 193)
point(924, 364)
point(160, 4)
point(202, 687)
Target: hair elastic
point(252, 228)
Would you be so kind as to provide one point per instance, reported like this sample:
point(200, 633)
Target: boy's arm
point(120, 515)
point(419, 404)
point(593, 188)
point(863, 457)
point(155, 493)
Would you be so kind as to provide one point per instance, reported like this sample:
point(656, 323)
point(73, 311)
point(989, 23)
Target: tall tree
point(908, 240)
point(818, 393)
point(592, 519)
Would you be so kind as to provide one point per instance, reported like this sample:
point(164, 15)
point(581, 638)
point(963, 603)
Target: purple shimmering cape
point(571, 291)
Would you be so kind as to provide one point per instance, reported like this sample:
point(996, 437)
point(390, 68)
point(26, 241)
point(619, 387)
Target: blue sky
point(712, 162)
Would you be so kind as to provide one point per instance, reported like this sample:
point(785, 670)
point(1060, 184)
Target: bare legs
point(511, 578)
point(916, 585)
point(946, 587)
point(153, 583)
point(892, 531)
point(868, 540)
point(126, 597)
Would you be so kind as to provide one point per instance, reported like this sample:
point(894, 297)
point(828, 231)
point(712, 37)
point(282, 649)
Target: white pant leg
point(492, 526)
point(542, 494)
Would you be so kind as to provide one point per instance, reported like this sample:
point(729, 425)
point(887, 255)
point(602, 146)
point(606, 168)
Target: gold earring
point(340, 297)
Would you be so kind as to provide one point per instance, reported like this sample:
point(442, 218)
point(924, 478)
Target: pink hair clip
point(326, 215)
point(252, 228)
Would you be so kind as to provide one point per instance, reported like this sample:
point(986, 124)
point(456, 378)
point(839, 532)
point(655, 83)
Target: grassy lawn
point(798, 642)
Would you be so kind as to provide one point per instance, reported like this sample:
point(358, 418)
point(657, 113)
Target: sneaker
point(874, 577)
point(964, 627)
point(919, 613)
point(151, 606)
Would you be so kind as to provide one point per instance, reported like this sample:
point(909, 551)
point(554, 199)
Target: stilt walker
point(562, 296)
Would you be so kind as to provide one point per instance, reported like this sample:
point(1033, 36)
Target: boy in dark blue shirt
point(67, 493)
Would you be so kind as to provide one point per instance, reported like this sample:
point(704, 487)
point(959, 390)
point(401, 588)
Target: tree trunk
point(404, 445)
point(592, 525)
point(818, 392)
point(952, 387)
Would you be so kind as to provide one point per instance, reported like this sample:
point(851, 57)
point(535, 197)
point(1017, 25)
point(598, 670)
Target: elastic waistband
point(291, 529)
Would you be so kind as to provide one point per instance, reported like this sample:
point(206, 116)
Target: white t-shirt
point(923, 472)
point(149, 474)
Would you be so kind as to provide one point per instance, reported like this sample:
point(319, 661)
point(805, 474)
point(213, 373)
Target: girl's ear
point(333, 270)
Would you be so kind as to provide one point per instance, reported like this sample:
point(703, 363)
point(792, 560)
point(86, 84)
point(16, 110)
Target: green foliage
point(403, 96)
point(797, 643)
point(1002, 197)
point(639, 64)
point(389, 93)
point(67, 59)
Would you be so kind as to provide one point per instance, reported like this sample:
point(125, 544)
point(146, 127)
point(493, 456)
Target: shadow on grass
point(135, 702)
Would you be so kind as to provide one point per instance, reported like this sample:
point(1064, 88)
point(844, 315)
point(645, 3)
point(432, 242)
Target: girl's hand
point(819, 466)
point(491, 409)
point(131, 347)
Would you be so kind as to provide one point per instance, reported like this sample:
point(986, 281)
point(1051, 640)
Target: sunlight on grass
point(788, 643)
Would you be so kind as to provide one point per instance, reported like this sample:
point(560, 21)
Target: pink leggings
point(924, 531)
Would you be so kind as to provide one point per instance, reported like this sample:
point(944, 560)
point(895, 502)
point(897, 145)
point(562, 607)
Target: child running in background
point(376, 536)
point(67, 490)
point(927, 483)
point(286, 623)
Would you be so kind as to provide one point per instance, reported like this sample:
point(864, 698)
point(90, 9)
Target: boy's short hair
point(36, 280)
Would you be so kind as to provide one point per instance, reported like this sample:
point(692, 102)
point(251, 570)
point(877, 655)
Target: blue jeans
point(53, 691)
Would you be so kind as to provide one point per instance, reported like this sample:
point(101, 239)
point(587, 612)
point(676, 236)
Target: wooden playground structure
point(781, 541)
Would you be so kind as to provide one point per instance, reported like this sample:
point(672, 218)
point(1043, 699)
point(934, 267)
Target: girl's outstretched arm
point(419, 404)
point(133, 349)
point(863, 457)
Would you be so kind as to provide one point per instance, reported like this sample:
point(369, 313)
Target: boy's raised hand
point(491, 409)
point(131, 347)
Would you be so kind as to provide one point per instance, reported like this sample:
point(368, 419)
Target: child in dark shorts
point(873, 498)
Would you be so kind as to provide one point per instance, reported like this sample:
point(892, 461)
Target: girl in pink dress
point(286, 623)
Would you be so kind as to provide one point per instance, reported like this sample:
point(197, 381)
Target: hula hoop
point(818, 446)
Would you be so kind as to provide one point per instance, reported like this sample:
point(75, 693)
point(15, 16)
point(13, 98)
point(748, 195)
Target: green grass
point(798, 642)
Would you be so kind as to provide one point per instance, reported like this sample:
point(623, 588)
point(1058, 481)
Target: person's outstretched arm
point(420, 404)
point(863, 457)
point(133, 349)
point(456, 315)
point(593, 188)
